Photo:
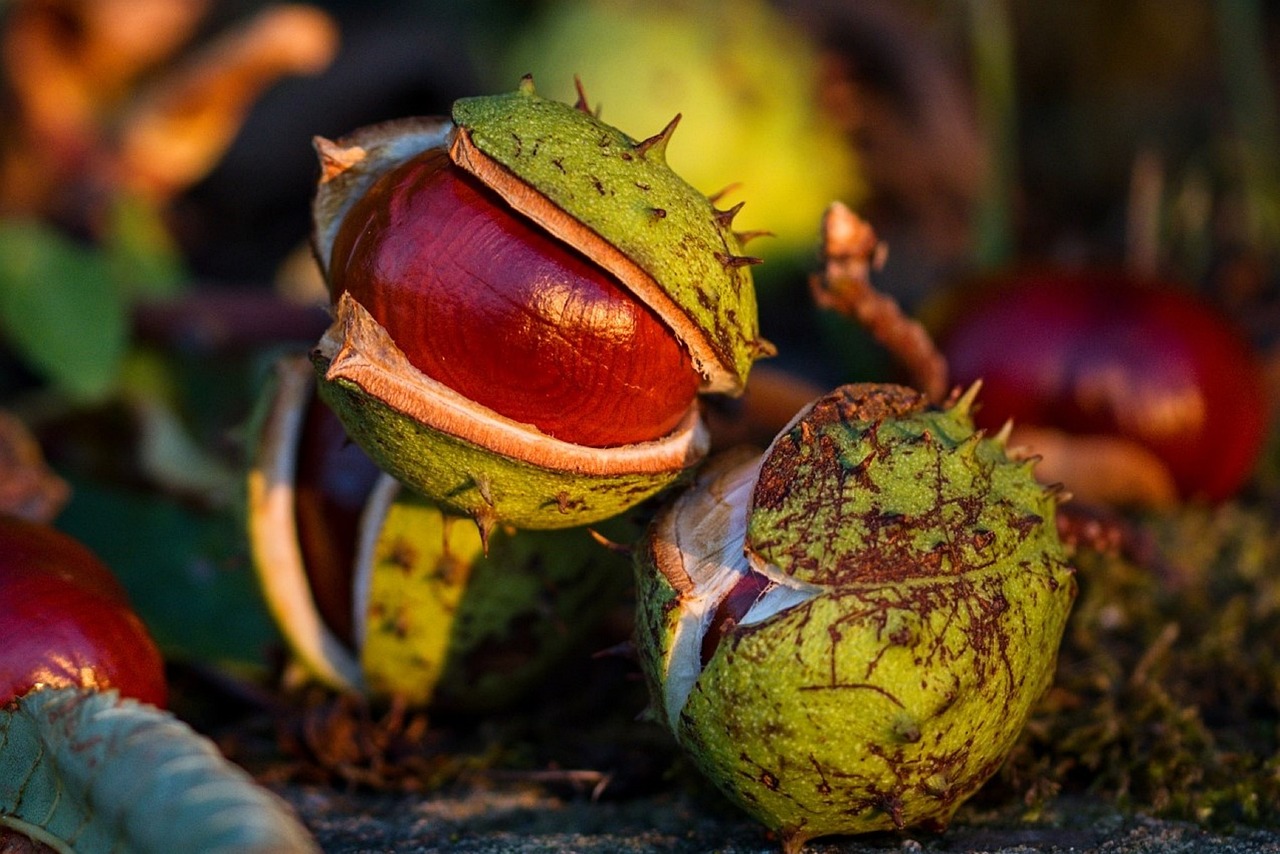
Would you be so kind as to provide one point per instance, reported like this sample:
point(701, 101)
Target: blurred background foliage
point(156, 170)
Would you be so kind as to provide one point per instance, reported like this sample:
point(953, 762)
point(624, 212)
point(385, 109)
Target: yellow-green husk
point(939, 591)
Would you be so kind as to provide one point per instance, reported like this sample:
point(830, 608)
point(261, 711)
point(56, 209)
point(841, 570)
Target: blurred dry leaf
point(175, 133)
point(1098, 470)
point(90, 771)
point(83, 129)
point(28, 487)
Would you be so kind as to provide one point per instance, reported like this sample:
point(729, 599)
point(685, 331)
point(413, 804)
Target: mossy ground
point(1167, 698)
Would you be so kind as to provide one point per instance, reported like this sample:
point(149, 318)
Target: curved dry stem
point(850, 252)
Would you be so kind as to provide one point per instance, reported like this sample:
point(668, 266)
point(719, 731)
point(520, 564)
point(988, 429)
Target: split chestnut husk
point(527, 302)
point(379, 591)
point(847, 633)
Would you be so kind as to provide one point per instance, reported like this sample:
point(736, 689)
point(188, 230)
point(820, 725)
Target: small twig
point(851, 251)
point(617, 548)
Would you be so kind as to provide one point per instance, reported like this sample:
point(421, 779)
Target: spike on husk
point(762, 348)
point(725, 217)
point(735, 261)
point(581, 103)
point(655, 147)
point(745, 237)
point(715, 197)
point(964, 403)
point(334, 158)
point(1001, 438)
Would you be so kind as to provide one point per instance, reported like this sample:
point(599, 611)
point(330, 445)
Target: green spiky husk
point(624, 192)
point(892, 695)
point(438, 621)
point(607, 196)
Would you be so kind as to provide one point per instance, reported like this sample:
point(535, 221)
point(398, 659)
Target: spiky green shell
point(929, 595)
point(906, 493)
point(611, 198)
point(624, 193)
point(747, 76)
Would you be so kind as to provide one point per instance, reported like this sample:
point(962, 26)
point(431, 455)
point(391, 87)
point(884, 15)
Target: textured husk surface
point(626, 197)
point(892, 696)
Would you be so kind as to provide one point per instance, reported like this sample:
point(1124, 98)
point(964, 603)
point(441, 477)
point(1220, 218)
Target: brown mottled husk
point(937, 591)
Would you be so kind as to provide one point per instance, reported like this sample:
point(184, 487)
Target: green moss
point(1168, 687)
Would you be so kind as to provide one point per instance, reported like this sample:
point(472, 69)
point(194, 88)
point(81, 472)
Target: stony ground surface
point(522, 819)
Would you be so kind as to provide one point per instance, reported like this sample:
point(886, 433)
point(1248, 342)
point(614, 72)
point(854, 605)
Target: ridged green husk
point(440, 623)
point(449, 626)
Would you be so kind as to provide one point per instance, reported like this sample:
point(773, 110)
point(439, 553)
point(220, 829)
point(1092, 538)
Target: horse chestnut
point(1102, 353)
point(481, 300)
point(526, 303)
point(847, 632)
point(67, 621)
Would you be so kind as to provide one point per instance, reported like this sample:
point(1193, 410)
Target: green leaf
point(87, 771)
point(145, 261)
point(60, 308)
point(186, 571)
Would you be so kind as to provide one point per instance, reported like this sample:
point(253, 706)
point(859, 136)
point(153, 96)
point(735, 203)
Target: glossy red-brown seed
point(65, 620)
point(486, 303)
point(732, 608)
point(333, 481)
point(1099, 352)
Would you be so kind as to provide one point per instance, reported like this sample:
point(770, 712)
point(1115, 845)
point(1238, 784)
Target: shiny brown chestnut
point(1100, 353)
point(67, 622)
point(481, 300)
point(527, 302)
point(332, 484)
